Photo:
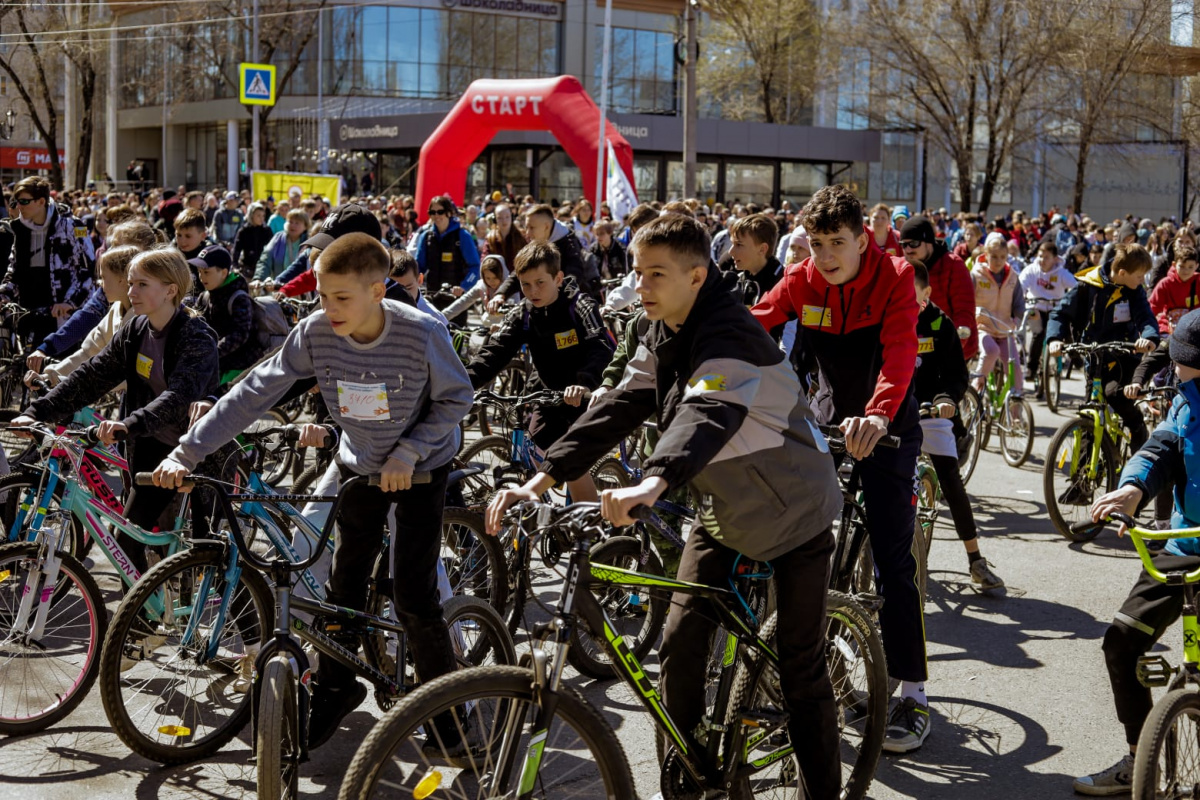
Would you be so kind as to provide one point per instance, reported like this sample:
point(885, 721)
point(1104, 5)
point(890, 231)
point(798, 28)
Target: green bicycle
point(996, 405)
point(1085, 454)
point(1168, 750)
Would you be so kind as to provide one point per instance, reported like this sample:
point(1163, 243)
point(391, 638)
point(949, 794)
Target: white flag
point(621, 196)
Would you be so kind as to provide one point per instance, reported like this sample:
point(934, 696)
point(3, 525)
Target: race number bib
point(447, 258)
point(1121, 311)
point(144, 365)
point(566, 339)
point(816, 317)
point(363, 401)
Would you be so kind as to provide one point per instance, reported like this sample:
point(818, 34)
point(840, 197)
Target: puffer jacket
point(69, 256)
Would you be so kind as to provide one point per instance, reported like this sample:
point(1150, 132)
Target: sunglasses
point(436, 212)
point(23, 201)
point(909, 244)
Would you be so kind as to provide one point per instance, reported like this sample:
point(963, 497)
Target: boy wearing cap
point(229, 310)
point(228, 221)
point(1169, 460)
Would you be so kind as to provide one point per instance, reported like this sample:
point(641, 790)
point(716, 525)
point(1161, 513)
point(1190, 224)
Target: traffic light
point(243, 161)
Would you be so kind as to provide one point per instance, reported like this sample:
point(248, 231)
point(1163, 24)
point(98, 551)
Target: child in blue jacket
point(1170, 459)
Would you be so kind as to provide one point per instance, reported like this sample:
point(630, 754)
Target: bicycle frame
point(577, 601)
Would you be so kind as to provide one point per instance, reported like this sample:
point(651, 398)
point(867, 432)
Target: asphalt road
point(1020, 698)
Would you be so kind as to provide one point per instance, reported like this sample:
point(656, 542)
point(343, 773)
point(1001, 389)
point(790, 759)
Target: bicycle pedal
point(762, 718)
point(1154, 671)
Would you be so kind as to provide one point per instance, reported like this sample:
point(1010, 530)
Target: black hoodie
point(229, 310)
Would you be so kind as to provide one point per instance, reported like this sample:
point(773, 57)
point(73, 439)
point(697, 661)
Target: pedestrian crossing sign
point(257, 84)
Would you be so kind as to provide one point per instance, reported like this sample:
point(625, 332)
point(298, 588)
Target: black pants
point(1115, 377)
point(146, 503)
point(891, 505)
point(801, 578)
point(361, 523)
point(955, 493)
point(1149, 610)
point(1035, 346)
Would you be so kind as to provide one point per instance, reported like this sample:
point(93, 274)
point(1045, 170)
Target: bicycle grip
point(1087, 525)
point(642, 512)
point(147, 479)
point(418, 477)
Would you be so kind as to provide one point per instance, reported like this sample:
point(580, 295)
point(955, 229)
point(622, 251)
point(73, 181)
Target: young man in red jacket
point(1177, 293)
point(858, 320)
point(949, 278)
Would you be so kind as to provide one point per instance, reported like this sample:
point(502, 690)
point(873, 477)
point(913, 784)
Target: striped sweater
point(400, 396)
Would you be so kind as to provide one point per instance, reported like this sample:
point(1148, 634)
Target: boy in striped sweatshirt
point(397, 389)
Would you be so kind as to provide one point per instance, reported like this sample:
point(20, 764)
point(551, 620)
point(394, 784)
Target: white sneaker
point(907, 726)
point(1117, 779)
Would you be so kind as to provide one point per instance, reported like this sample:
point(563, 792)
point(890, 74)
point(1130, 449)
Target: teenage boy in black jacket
point(752, 255)
point(229, 309)
point(941, 380)
point(736, 429)
point(567, 341)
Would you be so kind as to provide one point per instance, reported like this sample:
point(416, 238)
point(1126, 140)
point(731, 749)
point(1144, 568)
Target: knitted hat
point(899, 213)
point(918, 229)
point(1185, 341)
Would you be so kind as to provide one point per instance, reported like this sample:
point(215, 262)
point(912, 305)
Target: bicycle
point(1011, 414)
point(185, 651)
point(520, 730)
point(1167, 764)
point(51, 669)
point(1086, 453)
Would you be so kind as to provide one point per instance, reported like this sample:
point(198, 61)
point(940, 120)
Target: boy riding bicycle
point(1168, 460)
point(1109, 305)
point(735, 428)
point(1044, 282)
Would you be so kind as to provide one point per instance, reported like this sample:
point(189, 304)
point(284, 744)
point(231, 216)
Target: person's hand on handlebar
point(615, 504)
point(575, 395)
point(1124, 500)
point(862, 434)
point(1055, 348)
point(1144, 345)
point(170, 474)
point(33, 376)
point(108, 430)
point(197, 410)
point(35, 360)
point(312, 435)
point(1133, 391)
point(396, 475)
point(533, 489)
point(22, 421)
point(597, 394)
point(944, 410)
point(495, 304)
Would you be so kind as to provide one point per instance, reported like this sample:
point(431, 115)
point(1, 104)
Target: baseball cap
point(350, 218)
point(213, 256)
point(231, 195)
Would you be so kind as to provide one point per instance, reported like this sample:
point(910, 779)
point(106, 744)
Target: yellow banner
point(278, 184)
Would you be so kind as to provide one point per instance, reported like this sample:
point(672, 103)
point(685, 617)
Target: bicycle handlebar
point(837, 440)
point(546, 397)
point(1140, 536)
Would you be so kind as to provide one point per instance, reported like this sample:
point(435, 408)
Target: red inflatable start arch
point(559, 105)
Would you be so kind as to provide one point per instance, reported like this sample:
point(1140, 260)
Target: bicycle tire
point(1084, 492)
point(18, 450)
point(186, 736)
point(475, 561)
point(610, 473)
point(277, 744)
point(14, 485)
point(494, 453)
point(513, 688)
point(49, 704)
point(587, 652)
point(308, 478)
point(928, 491)
point(970, 410)
point(866, 718)
point(1051, 371)
point(1016, 456)
point(1160, 740)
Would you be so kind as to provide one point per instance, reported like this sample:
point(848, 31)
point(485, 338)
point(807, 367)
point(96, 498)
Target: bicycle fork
point(40, 584)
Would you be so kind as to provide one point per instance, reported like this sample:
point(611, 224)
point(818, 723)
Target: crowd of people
point(755, 324)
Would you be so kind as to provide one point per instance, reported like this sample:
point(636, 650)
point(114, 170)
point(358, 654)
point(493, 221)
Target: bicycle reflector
point(427, 785)
point(175, 730)
point(4, 575)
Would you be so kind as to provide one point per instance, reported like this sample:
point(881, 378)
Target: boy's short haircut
point(538, 254)
point(190, 196)
point(642, 214)
point(298, 215)
point(759, 227)
point(1131, 258)
point(1050, 247)
point(881, 207)
point(921, 275)
point(833, 208)
point(1183, 254)
point(355, 254)
point(542, 210)
point(686, 238)
point(402, 263)
point(678, 207)
point(604, 226)
point(190, 218)
point(35, 186)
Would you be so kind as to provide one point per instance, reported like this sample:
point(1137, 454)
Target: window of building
point(1001, 193)
point(799, 182)
point(899, 166)
point(645, 178)
point(854, 88)
point(706, 181)
point(641, 71)
point(749, 183)
point(559, 179)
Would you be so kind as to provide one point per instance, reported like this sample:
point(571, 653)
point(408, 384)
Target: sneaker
point(1117, 779)
point(329, 708)
point(983, 577)
point(134, 653)
point(907, 728)
point(245, 670)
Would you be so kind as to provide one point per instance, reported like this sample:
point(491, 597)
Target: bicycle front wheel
point(1016, 432)
point(1066, 480)
point(176, 664)
point(278, 740)
point(1051, 372)
point(474, 561)
point(45, 675)
point(1168, 752)
point(970, 409)
point(469, 735)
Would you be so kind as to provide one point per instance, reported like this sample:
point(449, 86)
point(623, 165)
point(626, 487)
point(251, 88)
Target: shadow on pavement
point(994, 629)
point(978, 750)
